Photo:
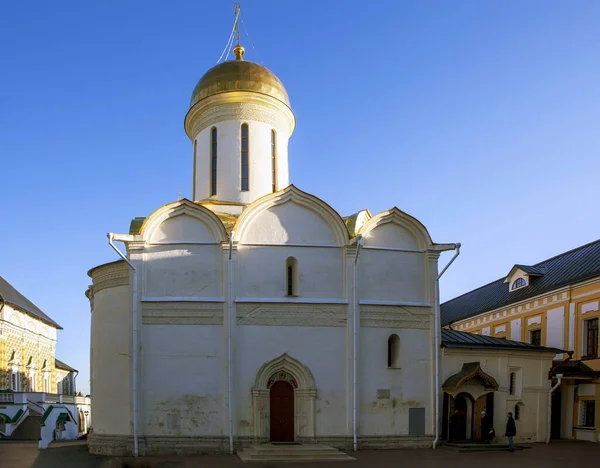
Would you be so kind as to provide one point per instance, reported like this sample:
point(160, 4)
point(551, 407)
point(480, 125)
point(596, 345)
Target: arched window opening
point(245, 158)
point(291, 268)
point(517, 412)
point(518, 283)
point(393, 351)
point(194, 161)
point(274, 160)
point(512, 389)
point(213, 161)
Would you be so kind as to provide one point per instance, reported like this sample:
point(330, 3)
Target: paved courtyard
point(75, 455)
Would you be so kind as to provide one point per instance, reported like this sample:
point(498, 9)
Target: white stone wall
point(181, 387)
point(229, 161)
point(320, 272)
point(393, 276)
point(182, 259)
point(111, 334)
point(409, 384)
point(183, 271)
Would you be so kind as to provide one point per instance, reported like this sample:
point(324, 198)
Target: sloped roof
point(574, 369)
point(62, 365)
point(459, 339)
point(228, 220)
point(567, 268)
point(15, 298)
point(470, 371)
point(531, 270)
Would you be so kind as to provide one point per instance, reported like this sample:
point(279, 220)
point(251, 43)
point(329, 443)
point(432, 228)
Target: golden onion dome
point(239, 75)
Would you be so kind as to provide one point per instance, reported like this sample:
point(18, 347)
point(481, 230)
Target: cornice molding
point(432, 255)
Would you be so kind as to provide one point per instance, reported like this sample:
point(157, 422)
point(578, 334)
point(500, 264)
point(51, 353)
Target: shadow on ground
point(75, 455)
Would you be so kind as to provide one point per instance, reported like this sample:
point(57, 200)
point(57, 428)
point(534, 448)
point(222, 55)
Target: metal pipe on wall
point(354, 341)
point(134, 354)
point(229, 342)
point(437, 340)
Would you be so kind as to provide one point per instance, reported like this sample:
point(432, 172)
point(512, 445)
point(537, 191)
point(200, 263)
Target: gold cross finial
point(238, 50)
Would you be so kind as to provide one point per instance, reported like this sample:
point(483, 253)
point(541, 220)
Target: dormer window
point(523, 275)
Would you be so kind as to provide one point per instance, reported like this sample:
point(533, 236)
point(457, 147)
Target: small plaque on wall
point(383, 393)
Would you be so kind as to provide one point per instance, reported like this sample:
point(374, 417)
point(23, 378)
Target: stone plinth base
point(122, 445)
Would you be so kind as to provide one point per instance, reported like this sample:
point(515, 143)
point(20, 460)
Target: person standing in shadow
point(511, 432)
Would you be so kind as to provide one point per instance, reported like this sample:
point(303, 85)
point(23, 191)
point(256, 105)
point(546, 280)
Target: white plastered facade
point(181, 256)
point(189, 264)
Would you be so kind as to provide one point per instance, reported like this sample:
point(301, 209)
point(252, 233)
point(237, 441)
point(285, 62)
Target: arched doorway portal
point(281, 401)
point(470, 403)
point(284, 402)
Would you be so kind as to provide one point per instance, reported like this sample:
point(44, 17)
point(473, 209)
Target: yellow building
point(554, 303)
point(27, 344)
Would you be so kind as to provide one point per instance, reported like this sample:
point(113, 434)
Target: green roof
point(62, 417)
point(136, 225)
point(46, 414)
point(17, 416)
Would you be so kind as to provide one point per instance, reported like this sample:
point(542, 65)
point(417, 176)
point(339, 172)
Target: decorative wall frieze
point(310, 315)
point(177, 313)
point(239, 106)
point(110, 276)
point(395, 317)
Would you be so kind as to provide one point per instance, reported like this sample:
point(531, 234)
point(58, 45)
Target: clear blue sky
point(481, 119)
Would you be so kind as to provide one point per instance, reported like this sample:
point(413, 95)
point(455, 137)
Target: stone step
point(271, 448)
point(292, 453)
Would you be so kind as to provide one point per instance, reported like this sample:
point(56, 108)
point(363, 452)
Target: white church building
point(254, 312)
point(259, 313)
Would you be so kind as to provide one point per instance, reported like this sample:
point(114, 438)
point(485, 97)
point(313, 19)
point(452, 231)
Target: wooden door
point(480, 426)
point(282, 412)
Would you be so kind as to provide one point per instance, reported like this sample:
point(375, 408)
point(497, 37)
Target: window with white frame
point(587, 413)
